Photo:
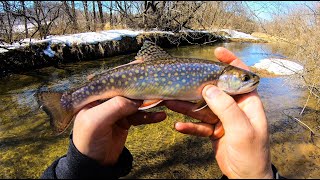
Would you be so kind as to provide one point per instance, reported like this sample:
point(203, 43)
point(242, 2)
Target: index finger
point(226, 56)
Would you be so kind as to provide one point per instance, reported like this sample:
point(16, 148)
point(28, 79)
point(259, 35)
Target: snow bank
point(279, 66)
point(2, 50)
point(237, 34)
point(95, 37)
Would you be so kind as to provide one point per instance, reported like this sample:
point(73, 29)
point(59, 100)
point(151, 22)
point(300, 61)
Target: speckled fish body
point(155, 76)
point(180, 79)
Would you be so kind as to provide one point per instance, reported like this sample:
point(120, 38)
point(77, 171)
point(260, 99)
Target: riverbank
point(55, 50)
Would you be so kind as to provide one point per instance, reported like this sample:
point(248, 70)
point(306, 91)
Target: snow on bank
point(279, 66)
point(237, 34)
point(95, 37)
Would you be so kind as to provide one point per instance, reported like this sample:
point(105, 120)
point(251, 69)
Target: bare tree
point(101, 14)
point(94, 15)
point(42, 16)
point(8, 21)
point(24, 18)
point(85, 6)
point(110, 14)
point(71, 14)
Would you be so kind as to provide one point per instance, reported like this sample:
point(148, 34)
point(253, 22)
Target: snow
point(95, 37)
point(237, 34)
point(21, 28)
point(279, 66)
point(2, 50)
point(49, 51)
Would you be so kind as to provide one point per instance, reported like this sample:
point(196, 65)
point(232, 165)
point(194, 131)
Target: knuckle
point(120, 102)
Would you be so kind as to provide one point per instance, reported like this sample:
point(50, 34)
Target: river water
point(27, 146)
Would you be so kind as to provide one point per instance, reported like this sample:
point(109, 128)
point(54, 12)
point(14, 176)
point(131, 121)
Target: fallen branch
point(312, 133)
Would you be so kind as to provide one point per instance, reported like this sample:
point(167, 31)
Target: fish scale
point(155, 75)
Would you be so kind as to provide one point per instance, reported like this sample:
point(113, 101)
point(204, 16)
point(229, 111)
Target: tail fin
point(60, 118)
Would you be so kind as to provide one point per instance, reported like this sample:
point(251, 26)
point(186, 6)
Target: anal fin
point(199, 106)
point(147, 104)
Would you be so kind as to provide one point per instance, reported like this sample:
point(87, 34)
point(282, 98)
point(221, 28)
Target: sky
point(265, 9)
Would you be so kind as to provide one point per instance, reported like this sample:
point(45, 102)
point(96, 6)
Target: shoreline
point(45, 53)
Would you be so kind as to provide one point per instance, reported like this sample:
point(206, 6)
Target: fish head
point(234, 80)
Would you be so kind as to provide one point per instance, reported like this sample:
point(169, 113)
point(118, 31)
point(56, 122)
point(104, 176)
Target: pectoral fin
point(147, 104)
point(199, 106)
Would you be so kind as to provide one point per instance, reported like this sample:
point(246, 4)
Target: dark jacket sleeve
point(76, 165)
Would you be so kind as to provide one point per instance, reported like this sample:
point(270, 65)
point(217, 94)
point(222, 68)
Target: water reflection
point(28, 147)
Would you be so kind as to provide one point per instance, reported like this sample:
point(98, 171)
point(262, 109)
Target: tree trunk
point(6, 8)
point(101, 14)
point(94, 15)
point(74, 16)
point(71, 15)
point(85, 6)
point(25, 19)
point(110, 12)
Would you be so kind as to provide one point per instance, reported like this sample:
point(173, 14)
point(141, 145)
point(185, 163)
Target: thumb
point(224, 106)
point(115, 109)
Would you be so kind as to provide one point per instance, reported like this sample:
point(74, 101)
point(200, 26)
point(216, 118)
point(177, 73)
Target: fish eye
point(245, 78)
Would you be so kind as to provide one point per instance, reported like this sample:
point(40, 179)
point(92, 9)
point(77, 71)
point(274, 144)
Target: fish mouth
point(256, 83)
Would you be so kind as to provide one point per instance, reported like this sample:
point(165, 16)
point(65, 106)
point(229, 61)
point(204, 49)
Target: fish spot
point(123, 76)
point(163, 79)
point(126, 83)
point(104, 81)
point(112, 87)
point(87, 92)
point(92, 87)
point(176, 74)
point(169, 82)
point(141, 77)
point(135, 79)
point(112, 80)
point(155, 75)
point(183, 80)
point(143, 83)
point(130, 74)
point(177, 85)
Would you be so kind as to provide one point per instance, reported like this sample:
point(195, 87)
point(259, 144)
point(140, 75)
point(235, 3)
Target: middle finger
point(185, 107)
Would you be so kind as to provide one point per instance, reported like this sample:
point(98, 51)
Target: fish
point(154, 76)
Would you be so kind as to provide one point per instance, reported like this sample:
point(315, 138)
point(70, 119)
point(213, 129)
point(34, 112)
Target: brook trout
point(154, 76)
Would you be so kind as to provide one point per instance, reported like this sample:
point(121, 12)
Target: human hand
point(237, 127)
point(100, 130)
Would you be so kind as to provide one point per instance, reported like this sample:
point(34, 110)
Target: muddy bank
point(45, 54)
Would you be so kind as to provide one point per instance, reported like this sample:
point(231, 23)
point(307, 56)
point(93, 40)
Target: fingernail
point(212, 92)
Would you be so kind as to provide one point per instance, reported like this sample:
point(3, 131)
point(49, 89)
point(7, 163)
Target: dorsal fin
point(150, 51)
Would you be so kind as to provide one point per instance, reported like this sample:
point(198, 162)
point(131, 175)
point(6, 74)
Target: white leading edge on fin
point(149, 106)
